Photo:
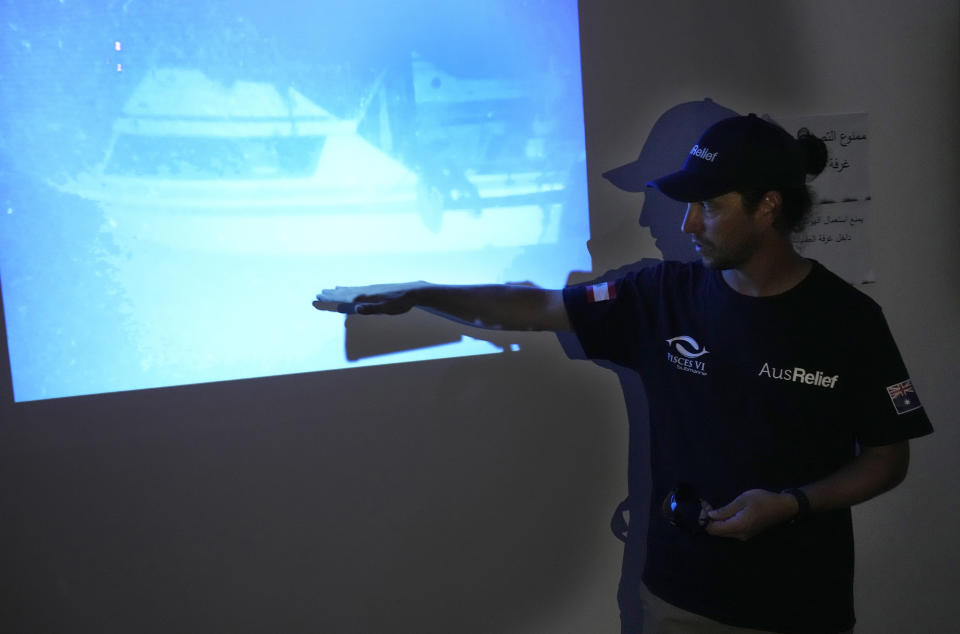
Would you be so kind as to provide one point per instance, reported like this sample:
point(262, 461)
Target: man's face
point(723, 232)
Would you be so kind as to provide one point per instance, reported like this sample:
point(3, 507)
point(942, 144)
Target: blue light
point(170, 224)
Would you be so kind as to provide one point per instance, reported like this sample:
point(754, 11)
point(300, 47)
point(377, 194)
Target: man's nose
point(692, 219)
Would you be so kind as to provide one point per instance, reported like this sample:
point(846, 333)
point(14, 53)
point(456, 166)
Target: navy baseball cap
point(736, 153)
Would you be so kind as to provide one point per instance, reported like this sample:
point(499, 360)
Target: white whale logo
point(677, 343)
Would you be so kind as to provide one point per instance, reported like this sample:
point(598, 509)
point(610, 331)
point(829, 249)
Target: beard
point(730, 256)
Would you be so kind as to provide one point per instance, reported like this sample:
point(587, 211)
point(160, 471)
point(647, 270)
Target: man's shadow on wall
point(674, 133)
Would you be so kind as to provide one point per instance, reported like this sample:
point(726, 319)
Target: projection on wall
point(180, 179)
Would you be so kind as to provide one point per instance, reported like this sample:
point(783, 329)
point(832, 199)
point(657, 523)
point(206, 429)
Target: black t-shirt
point(744, 393)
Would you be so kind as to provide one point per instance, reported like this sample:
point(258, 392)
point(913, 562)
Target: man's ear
point(769, 207)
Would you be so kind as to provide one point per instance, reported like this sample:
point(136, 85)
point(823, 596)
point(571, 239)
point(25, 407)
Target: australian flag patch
point(904, 397)
point(601, 292)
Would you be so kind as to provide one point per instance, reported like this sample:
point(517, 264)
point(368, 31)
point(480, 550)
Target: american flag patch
point(904, 397)
point(601, 292)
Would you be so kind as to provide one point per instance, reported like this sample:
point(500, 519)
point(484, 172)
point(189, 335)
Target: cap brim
point(687, 186)
point(627, 177)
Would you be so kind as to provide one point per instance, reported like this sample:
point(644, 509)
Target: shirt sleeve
point(611, 319)
point(888, 409)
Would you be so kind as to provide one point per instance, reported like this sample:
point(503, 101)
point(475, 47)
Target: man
point(777, 396)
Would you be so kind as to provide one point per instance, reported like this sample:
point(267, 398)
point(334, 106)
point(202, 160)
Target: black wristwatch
point(803, 502)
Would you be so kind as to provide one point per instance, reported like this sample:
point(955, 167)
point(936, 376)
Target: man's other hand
point(751, 513)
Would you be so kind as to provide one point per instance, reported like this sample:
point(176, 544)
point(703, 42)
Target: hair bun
point(814, 152)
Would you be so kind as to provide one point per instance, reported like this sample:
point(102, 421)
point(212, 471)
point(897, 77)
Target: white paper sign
point(838, 232)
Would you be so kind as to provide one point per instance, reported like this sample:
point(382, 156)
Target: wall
point(473, 495)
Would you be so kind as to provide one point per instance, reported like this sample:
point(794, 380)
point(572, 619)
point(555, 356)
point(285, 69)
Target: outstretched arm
point(495, 306)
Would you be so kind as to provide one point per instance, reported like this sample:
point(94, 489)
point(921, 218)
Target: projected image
point(179, 182)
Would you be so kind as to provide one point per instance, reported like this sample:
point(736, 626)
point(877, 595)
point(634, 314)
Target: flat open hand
point(377, 299)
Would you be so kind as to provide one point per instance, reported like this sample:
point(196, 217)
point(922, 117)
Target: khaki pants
point(660, 617)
